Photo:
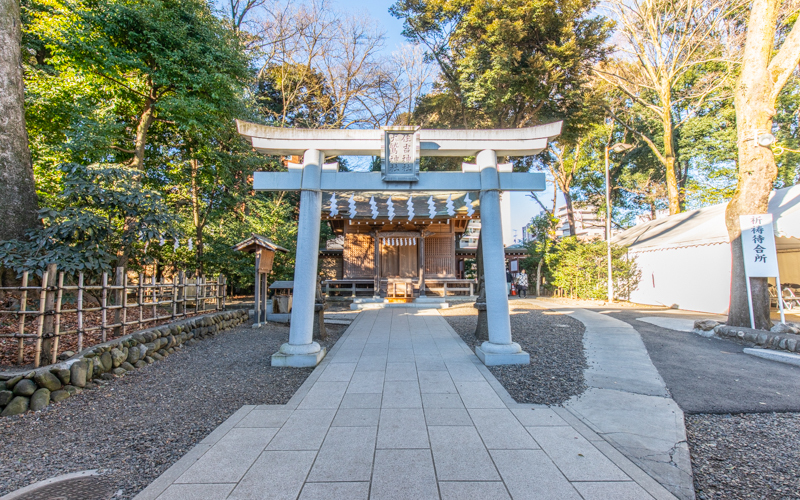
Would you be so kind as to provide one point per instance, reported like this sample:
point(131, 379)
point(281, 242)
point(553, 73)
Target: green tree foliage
point(153, 85)
point(580, 269)
point(89, 222)
point(165, 60)
point(505, 63)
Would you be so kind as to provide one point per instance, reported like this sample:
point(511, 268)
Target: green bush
point(580, 268)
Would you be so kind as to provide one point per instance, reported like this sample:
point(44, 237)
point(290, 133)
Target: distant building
point(588, 225)
point(471, 234)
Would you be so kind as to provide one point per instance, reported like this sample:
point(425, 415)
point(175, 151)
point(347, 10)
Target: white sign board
point(758, 243)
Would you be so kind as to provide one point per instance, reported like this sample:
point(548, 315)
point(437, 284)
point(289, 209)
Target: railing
point(349, 288)
point(443, 287)
point(134, 303)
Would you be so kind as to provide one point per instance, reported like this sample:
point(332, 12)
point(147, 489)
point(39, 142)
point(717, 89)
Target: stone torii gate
point(400, 149)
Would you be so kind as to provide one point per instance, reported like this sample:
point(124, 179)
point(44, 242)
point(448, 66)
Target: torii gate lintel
point(312, 177)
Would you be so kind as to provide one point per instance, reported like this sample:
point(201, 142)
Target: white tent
point(685, 259)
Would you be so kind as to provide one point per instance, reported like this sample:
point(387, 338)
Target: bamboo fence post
point(42, 299)
point(118, 292)
point(220, 292)
point(140, 298)
point(49, 318)
point(201, 292)
point(57, 321)
point(173, 297)
point(124, 302)
point(23, 303)
point(182, 292)
point(155, 298)
point(80, 312)
point(103, 311)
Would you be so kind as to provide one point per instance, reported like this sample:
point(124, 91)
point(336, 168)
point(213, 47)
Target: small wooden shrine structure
point(403, 249)
point(264, 250)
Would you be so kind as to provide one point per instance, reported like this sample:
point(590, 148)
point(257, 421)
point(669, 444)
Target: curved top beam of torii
point(433, 142)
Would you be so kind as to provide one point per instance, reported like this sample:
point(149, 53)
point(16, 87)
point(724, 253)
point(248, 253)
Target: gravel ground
point(136, 427)
point(753, 455)
point(554, 341)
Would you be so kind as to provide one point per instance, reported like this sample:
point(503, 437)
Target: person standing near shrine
point(509, 280)
point(522, 284)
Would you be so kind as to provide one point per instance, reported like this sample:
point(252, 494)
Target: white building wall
point(695, 278)
point(505, 218)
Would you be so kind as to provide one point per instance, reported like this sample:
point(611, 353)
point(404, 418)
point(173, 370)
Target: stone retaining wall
point(785, 340)
point(35, 389)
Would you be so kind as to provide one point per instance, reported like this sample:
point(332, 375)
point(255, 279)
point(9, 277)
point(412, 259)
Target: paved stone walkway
point(402, 408)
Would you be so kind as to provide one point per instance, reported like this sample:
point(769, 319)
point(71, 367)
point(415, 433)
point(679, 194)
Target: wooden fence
point(43, 308)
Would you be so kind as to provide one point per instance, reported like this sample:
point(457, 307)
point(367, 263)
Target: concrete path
point(402, 408)
point(677, 324)
point(712, 374)
point(628, 403)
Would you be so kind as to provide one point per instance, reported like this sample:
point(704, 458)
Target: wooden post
point(23, 303)
point(40, 330)
point(124, 302)
point(422, 266)
point(140, 297)
point(182, 293)
point(377, 291)
point(257, 290)
point(155, 297)
point(220, 292)
point(103, 304)
point(49, 319)
point(80, 311)
point(174, 295)
point(57, 320)
point(118, 279)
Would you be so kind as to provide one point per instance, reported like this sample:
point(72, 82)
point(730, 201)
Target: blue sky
point(522, 206)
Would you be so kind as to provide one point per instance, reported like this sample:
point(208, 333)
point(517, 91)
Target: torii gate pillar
point(499, 350)
point(301, 350)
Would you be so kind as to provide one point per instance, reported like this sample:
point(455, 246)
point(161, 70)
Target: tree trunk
point(762, 78)
point(145, 121)
point(18, 211)
point(539, 276)
point(673, 193)
point(197, 220)
point(570, 213)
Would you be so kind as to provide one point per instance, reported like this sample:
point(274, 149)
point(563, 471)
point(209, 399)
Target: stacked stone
point(781, 337)
point(34, 390)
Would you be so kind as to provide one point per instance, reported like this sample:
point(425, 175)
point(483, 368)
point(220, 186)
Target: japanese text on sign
point(401, 153)
point(758, 245)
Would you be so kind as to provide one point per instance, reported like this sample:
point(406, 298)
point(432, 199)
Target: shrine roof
point(419, 202)
point(257, 241)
